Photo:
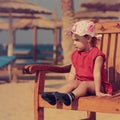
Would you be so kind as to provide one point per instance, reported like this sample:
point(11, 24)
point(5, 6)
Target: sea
point(43, 51)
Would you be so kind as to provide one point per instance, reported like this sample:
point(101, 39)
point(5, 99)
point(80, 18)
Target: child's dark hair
point(93, 40)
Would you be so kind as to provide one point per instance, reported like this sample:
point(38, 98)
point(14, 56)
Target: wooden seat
point(110, 46)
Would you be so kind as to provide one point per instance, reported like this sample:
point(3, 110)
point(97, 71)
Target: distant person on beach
point(4, 46)
point(87, 75)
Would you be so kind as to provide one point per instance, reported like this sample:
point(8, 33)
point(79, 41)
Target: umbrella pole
point(35, 44)
point(10, 41)
point(55, 45)
point(10, 46)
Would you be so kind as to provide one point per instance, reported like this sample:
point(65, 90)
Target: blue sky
point(44, 36)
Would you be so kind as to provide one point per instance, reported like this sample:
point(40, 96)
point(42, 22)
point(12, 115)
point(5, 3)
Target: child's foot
point(66, 98)
point(49, 97)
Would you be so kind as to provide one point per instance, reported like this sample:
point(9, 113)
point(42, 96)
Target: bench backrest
point(110, 45)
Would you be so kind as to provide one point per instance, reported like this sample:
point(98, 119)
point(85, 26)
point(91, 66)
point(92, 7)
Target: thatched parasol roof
point(47, 23)
point(42, 23)
point(21, 6)
point(18, 15)
point(97, 9)
point(97, 15)
point(99, 5)
point(39, 23)
point(106, 2)
point(101, 1)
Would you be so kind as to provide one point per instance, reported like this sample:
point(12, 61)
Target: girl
point(87, 74)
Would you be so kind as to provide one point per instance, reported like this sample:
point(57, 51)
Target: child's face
point(80, 42)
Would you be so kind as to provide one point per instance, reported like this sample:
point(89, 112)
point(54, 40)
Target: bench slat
point(91, 103)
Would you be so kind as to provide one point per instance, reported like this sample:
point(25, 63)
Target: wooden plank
point(100, 42)
point(118, 60)
point(108, 27)
point(38, 88)
point(91, 103)
point(105, 47)
point(105, 44)
point(111, 57)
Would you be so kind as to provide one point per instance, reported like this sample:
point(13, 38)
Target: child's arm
point(97, 76)
point(72, 73)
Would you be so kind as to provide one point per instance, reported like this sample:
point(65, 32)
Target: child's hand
point(100, 94)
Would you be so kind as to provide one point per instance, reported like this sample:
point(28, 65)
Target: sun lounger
point(43, 52)
point(47, 52)
point(23, 53)
point(5, 61)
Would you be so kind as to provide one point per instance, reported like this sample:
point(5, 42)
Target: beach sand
point(16, 101)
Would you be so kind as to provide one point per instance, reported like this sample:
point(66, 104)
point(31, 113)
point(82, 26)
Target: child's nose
point(74, 43)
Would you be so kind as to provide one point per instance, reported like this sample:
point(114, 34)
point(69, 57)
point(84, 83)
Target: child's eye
point(76, 39)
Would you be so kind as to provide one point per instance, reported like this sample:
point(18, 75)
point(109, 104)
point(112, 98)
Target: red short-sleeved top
point(84, 66)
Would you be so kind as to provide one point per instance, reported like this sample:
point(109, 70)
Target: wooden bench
point(110, 45)
point(5, 61)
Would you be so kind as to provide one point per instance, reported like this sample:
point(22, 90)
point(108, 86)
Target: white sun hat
point(84, 27)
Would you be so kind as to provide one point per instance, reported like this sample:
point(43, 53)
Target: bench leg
point(15, 73)
point(39, 114)
point(91, 115)
point(9, 73)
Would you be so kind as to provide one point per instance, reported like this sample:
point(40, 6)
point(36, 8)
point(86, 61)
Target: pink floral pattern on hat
point(91, 28)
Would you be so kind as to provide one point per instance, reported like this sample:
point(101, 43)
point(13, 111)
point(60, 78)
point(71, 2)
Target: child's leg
point(65, 93)
point(69, 86)
point(83, 88)
point(80, 88)
point(61, 93)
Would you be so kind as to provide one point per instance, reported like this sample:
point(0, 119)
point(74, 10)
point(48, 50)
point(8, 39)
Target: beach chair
point(110, 45)
point(5, 61)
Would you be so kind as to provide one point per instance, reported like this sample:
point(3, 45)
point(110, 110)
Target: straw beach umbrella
point(20, 8)
point(98, 9)
point(41, 23)
point(22, 15)
point(44, 23)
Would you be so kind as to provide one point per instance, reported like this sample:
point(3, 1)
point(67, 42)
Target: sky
point(43, 36)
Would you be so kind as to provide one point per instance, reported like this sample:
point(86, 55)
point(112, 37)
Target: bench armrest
point(33, 68)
